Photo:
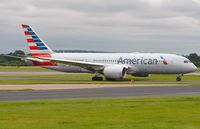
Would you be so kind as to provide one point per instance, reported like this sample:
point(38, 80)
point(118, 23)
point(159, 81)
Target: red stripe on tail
point(44, 63)
point(30, 40)
point(23, 26)
point(41, 55)
point(33, 48)
point(27, 33)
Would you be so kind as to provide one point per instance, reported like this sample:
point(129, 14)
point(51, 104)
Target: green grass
point(86, 79)
point(127, 113)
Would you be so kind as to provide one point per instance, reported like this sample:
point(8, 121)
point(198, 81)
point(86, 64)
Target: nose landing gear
point(178, 77)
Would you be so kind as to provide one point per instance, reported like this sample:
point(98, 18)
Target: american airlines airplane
point(113, 66)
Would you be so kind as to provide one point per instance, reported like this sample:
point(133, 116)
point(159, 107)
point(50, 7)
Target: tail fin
point(36, 45)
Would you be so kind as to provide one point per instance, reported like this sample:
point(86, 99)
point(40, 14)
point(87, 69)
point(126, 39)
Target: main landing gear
point(178, 77)
point(97, 77)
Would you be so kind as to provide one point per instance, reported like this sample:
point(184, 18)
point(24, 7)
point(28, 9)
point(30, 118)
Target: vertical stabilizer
point(37, 46)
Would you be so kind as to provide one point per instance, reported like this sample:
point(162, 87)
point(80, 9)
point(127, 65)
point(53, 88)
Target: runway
point(104, 92)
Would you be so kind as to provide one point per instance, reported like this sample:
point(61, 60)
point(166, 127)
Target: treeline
point(11, 61)
point(194, 58)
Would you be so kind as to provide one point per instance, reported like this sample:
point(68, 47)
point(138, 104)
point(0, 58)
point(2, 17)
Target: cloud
point(110, 25)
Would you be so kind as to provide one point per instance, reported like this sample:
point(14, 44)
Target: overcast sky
point(170, 26)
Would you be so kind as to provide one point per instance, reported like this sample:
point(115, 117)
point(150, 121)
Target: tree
point(11, 61)
point(194, 58)
point(18, 53)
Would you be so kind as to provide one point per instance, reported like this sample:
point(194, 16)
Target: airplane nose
point(193, 68)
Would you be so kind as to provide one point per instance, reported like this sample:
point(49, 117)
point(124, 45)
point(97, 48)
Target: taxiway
point(103, 92)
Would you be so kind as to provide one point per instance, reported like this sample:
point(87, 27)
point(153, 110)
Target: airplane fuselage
point(139, 63)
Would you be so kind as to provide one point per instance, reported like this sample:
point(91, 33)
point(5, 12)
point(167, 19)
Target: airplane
point(113, 66)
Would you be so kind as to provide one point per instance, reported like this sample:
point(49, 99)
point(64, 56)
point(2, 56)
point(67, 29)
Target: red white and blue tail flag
point(36, 45)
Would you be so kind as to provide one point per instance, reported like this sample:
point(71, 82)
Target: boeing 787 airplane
point(113, 66)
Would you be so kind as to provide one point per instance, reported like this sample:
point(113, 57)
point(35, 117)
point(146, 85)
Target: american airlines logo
point(137, 61)
point(141, 60)
point(163, 60)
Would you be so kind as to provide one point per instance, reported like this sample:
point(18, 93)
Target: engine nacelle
point(115, 72)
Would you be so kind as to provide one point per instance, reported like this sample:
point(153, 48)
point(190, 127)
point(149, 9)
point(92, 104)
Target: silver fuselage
point(140, 63)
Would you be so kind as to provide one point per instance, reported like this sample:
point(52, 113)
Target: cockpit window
point(187, 61)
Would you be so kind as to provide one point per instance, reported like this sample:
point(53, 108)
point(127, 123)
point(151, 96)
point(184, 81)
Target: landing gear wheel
point(178, 79)
point(100, 79)
point(97, 78)
point(94, 78)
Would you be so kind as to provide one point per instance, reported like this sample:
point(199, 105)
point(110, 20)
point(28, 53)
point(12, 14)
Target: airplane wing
point(87, 65)
point(20, 57)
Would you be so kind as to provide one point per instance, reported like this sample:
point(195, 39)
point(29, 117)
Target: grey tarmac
point(101, 92)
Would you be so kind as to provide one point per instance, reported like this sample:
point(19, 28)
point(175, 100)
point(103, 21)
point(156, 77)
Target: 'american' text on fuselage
point(137, 61)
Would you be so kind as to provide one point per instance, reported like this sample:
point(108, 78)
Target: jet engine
point(115, 72)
